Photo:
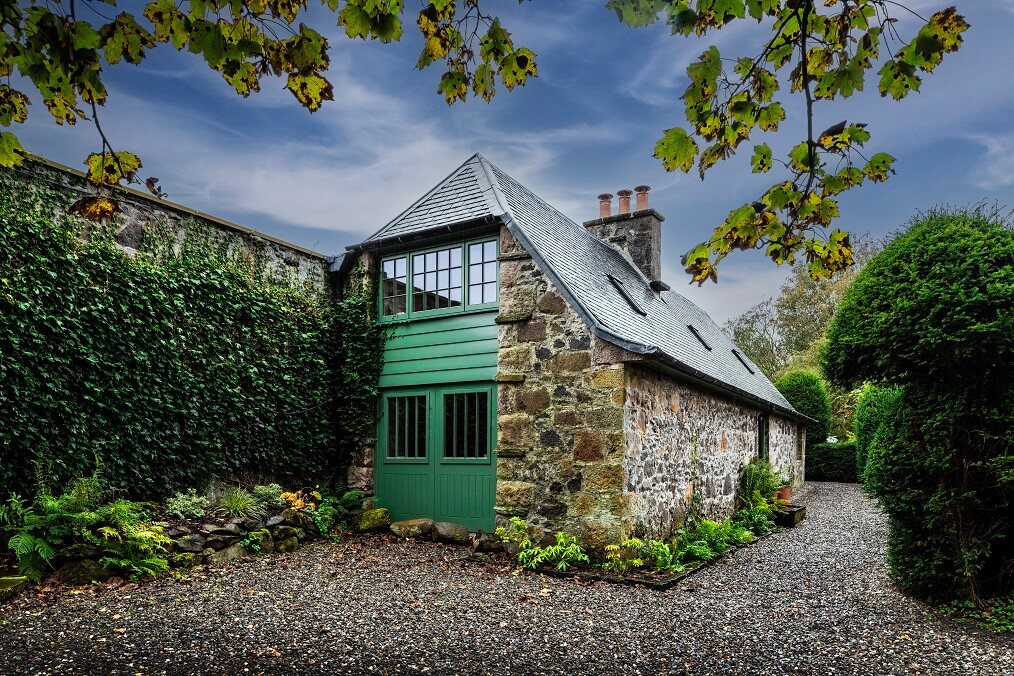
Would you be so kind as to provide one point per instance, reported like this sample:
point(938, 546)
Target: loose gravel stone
point(811, 600)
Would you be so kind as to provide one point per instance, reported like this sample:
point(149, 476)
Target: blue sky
point(586, 125)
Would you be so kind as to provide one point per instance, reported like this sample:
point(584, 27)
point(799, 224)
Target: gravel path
point(810, 600)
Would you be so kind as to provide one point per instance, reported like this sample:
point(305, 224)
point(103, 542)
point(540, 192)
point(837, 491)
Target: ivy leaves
point(824, 53)
point(63, 57)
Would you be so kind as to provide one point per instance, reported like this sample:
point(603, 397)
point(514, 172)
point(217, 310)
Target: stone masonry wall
point(783, 451)
point(141, 213)
point(683, 445)
point(560, 414)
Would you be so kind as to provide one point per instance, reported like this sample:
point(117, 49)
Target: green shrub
point(932, 314)
point(172, 365)
point(269, 495)
point(562, 555)
point(187, 505)
point(756, 485)
point(336, 511)
point(757, 520)
point(874, 404)
point(807, 393)
point(239, 502)
point(84, 513)
point(832, 462)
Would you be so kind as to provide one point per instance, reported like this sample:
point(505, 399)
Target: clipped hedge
point(832, 462)
point(874, 406)
point(807, 393)
point(169, 367)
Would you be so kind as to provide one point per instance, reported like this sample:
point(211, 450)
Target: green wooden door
point(435, 456)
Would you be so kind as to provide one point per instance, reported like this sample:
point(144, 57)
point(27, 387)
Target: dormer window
point(439, 278)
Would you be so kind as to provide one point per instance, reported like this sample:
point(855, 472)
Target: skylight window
point(626, 296)
point(742, 361)
point(697, 334)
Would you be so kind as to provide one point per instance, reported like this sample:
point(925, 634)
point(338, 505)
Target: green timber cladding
point(436, 434)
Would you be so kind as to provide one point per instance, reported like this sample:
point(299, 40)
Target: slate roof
point(580, 266)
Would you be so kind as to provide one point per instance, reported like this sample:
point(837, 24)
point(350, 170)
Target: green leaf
point(636, 13)
point(761, 160)
point(125, 39)
point(770, 116)
point(108, 169)
point(898, 79)
point(454, 85)
point(310, 89)
point(879, 167)
point(758, 9)
point(707, 69)
point(13, 106)
point(11, 152)
point(517, 67)
point(356, 21)
point(676, 150)
point(171, 25)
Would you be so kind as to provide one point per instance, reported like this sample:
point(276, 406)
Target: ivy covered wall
point(188, 359)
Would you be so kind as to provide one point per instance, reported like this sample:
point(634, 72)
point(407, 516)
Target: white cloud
point(996, 169)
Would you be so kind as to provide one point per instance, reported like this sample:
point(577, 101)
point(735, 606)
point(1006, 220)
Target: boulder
point(485, 542)
point(190, 543)
point(300, 534)
point(286, 546)
point(250, 525)
point(227, 529)
point(11, 586)
point(293, 517)
point(177, 531)
point(283, 532)
point(186, 560)
point(79, 550)
point(276, 520)
point(267, 545)
point(372, 519)
point(512, 548)
point(412, 528)
point(454, 533)
point(83, 571)
point(218, 542)
point(228, 555)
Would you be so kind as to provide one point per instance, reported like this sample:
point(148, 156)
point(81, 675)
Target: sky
point(587, 125)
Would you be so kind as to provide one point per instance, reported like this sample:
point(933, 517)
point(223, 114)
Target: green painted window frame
point(465, 306)
point(465, 388)
point(382, 433)
point(763, 435)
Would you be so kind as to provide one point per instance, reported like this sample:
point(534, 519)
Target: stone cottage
point(541, 368)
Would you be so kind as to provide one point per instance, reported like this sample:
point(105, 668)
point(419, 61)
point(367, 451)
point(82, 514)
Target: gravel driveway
point(810, 600)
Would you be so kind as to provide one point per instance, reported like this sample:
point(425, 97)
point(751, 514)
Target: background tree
point(806, 392)
point(932, 315)
point(823, 51)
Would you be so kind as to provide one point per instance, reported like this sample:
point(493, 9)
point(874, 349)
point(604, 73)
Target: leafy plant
point(187, 505)
point(931, 315)
point(757, 520)
point(173, 364)
point(634, 553)
point(335, 511)
point(239, 502)
point(807, 393)
point(252, 542)
point(269, 495)
point(517, 533)
point(562, 555)
point(832, 462)
point(756, 485)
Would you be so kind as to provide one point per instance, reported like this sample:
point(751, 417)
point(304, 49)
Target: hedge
point(832, 462)
point(807, 393)
point(170, 367)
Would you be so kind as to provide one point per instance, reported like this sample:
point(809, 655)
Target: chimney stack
point(637, 235)
point(624, 201)
point(605, 205)
point(642, 197)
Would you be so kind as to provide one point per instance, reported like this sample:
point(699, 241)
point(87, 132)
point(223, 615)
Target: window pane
point(455, 277)
point(406, 427)
point(418, 281)
point(456, 257)
point(389, 268)
point(489, 251)
point(474, 253)
point(399, 267)
point(443, 279)
point(431, 261)
point(418, 302)
point(418, 264)
point(431, 281)
point(475, 294)
point(455, 296)
point(489, 272)
point(394, 305)
point(475, 274)
point(443, 259)
point(489, 293)
point(466, 425)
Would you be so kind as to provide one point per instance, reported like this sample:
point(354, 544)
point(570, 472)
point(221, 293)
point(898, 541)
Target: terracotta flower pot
point(785, 494)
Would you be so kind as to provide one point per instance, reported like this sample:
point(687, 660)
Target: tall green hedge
point(932, 315)
point(874, 406)
point(169, 367)
point(831, 462)
point(807, 393)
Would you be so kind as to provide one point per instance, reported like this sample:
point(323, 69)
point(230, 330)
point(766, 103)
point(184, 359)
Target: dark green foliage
point(807, 393)
point(932, 314)
point(756, 485)
point(170, 367)
point(85, 513)
point(832, 462)
point(874, 405)
point(757, 520)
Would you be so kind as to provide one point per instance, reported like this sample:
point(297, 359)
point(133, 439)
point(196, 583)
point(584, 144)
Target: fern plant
point(241, 503)
point(564, 554)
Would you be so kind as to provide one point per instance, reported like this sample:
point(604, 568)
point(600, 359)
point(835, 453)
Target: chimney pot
point(642, 197)
point(624, 201)
point(605, 205)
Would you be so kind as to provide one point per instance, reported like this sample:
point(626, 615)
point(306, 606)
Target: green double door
point(435, 453)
